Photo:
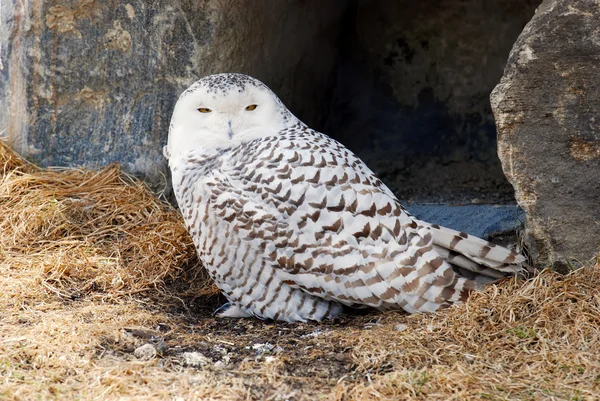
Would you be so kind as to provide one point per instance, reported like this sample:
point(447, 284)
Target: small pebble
point(220, 349)
point(263, 348)
point(195, 359)
point(400, 327)
point(145, 352)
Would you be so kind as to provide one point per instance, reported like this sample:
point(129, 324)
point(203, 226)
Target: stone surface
point(85, 82)
point(546, 109)
point(145, 352)
point(484, 221)
point(196, 359)
point(413, 89)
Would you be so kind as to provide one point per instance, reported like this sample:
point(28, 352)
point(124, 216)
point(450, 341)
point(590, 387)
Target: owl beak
point(230, 132)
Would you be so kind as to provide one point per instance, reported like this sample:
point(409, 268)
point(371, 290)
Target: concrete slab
point(485, 221)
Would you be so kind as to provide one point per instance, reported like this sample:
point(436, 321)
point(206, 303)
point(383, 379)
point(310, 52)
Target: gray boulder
point(547, 113)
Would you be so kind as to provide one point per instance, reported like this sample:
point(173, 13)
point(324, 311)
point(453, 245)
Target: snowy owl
point(292, 226)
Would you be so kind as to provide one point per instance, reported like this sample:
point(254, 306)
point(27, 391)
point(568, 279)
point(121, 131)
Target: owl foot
point(230, 310)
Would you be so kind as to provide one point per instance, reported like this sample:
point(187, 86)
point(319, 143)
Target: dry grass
point(538, 339)
point(92, 265)
point(91, 230)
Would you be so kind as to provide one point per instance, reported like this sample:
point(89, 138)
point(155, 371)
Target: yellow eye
point(204, 110)
point(251, 107)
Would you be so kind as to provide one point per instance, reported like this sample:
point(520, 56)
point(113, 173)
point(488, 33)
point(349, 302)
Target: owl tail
point(473, 257)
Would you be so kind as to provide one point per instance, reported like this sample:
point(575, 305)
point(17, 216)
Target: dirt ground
point(102, 299)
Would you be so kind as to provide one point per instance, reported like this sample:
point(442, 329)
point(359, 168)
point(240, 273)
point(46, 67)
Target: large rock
point(86, 82)
point(546, 109)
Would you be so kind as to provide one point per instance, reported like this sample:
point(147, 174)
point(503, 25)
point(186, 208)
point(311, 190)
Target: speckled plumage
point(291, 225)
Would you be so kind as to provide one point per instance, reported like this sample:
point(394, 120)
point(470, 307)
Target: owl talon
point(230, 310)
point(222, 308)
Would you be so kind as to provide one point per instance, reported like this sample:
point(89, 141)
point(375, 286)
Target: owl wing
point(330, 227)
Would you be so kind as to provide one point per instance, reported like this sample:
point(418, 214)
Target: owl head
point(224, 110)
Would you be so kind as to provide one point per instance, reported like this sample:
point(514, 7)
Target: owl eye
point(251, 107)
point(204, 110)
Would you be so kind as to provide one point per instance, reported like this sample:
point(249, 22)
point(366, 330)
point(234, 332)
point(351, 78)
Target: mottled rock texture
point(547, 111)
point(91, 82)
